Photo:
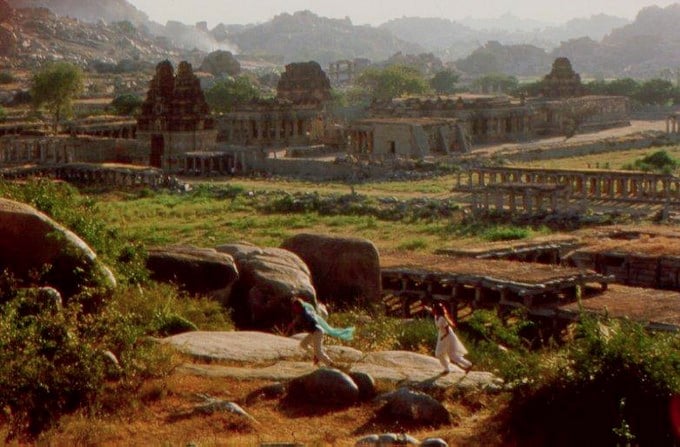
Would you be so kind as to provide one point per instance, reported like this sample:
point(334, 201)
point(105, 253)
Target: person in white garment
point(449, 347)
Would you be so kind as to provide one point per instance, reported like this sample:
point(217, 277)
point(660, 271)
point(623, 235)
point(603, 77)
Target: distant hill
point(647, 47)
point(454, 40)
point(518, 60)
point(305, 36)
point(29, 37)
point(88, 10)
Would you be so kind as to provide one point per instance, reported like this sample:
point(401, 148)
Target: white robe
point(449, 347)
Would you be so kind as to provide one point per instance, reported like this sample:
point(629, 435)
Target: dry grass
point(150, 421)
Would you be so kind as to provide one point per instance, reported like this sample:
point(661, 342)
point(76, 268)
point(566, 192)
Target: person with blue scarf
point(307, 319)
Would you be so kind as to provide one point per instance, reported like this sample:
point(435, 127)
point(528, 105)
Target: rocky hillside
point(305, 36)
point(88, 10)
point(31, 37)
point(453, 40)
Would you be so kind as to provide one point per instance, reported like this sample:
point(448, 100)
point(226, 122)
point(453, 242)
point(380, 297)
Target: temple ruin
point(175, 118)
point(294, 118)
point(562, 109)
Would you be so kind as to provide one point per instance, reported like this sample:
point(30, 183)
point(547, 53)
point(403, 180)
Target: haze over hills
point(306, 36)
point(601, 45)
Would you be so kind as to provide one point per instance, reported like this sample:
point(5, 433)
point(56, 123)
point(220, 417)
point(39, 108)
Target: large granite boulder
point(37, 250)
point(196, 270)
point(345, 271)
point(411, 408)
point(327, 387)
point(269, 278)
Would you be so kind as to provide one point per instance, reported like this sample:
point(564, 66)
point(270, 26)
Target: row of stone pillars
point(600, 185)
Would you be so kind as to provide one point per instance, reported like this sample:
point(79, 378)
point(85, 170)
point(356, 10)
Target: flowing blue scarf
point(343, 334)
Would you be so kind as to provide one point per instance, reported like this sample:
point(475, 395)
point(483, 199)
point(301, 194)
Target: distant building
point(175, 118)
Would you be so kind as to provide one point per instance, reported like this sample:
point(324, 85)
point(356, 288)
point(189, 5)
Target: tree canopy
point(56, 86)
point(227, 92)
point(444, 82)
point(392, 82)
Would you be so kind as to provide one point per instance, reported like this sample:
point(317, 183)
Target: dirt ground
point(156, 421)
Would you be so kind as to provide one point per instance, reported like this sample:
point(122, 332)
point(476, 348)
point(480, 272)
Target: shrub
point(613, 383)
point(64, 204)
point(6, 77)
point(660, 161)
point(126, 104)
point(505, 233)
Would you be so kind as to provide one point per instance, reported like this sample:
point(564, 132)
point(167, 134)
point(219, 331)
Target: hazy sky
point(379, 11)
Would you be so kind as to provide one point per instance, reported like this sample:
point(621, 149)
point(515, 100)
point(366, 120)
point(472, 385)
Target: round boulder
point(365, 383)
point(268, 280)
point(345, 271)
point(414, 409)
point(324, 387)
point(196, 270)
point(31, 243)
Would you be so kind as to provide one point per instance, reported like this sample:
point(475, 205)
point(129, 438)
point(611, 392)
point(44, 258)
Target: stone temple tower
point(175, 118)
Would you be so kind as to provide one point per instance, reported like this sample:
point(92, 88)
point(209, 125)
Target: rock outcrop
point(345, 271)
point(269, 278)
point(326, 386)
point(411, 408)
point(196, 270)
point(34, 246)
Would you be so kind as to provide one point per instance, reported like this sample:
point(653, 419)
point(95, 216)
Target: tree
point(444, 82)
point(226, 93)
point(656, 91)
point(126, 104)
point(56, 86)
point(392, 82)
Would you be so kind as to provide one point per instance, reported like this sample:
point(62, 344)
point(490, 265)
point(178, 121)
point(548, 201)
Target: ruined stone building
point(294, 118)
point(483, 119)
point(384, 138)
point(175, 117)
point(564, 108)
point(345, 72)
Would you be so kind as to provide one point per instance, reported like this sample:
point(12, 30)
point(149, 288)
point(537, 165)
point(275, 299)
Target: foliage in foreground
point(55, 361)
point(613, 384)
point(78, 213)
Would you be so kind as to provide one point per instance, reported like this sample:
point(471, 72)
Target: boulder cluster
point(258, 284)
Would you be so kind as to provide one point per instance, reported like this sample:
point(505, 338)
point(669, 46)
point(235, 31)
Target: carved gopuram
point(175, 118)
point(495, 187)
point(294, 118)
point(562, 81)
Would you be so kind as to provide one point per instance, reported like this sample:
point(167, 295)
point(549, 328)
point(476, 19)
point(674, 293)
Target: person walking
point(449, 347)
point(307, 319)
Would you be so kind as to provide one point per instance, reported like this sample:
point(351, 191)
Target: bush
point(660, 161)
point(503, 233)
point(6, 77)
point(78, 213)
point(127, 104)
point(613, 383)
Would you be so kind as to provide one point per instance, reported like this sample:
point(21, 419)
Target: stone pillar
point(513, 205)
